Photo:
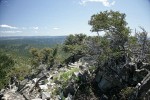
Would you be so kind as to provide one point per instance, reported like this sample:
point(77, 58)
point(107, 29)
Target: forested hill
point(37, 41)
point(18, 47)
point(22, 44)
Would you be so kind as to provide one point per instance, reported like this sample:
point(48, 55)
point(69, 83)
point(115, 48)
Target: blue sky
point(64, 17)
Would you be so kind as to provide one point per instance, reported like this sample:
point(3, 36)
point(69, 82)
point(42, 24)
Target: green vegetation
point(74, 45)
point(6, 65)
point(127, 92)
point(65, 76)
point(46, 56)
point(16, 60)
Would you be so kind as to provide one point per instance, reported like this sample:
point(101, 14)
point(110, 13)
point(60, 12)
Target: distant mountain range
point(43, 41)
point(29, 37)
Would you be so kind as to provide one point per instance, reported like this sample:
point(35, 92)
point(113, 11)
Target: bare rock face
point(104, 84)
point(131, 73)
point(45, 95)
point(69, 90)
point(11, 95)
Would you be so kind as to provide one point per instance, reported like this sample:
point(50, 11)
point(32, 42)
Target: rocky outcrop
point(144, 87)
point(47, 85)
point(135, 75)
point(11, 95)
point(67, 81)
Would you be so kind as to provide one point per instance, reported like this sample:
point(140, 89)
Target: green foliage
point(46, 56)
point(114, 24)
point(20, 72)
point(74, 43)
point(126, 92)
point(35, 61)
point(99, 46)
point(6, 64)
point(65, 77)
point(75, 39)
point(132, 40)
point(74, 46)
point(53, 57)
point(74, 49)
point(108, 21)
point(92, 69)
point(112, 44)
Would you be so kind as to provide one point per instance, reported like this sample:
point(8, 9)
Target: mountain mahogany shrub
point(20, 72)
point(46, 56)
point(74, 45)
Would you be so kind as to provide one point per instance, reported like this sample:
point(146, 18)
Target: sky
point(64, 17)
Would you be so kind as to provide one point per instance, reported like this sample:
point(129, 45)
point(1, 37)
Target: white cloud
point(10, 31)
point(104, 2)
point(36, 28)
point(56, 28)
point(7, 26)
point(24, 28)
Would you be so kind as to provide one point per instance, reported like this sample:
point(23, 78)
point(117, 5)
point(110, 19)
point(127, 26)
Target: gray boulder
point(10, 95)
point(104, 84)
point(69, 97)
point(69, 90)
point(45, 95)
